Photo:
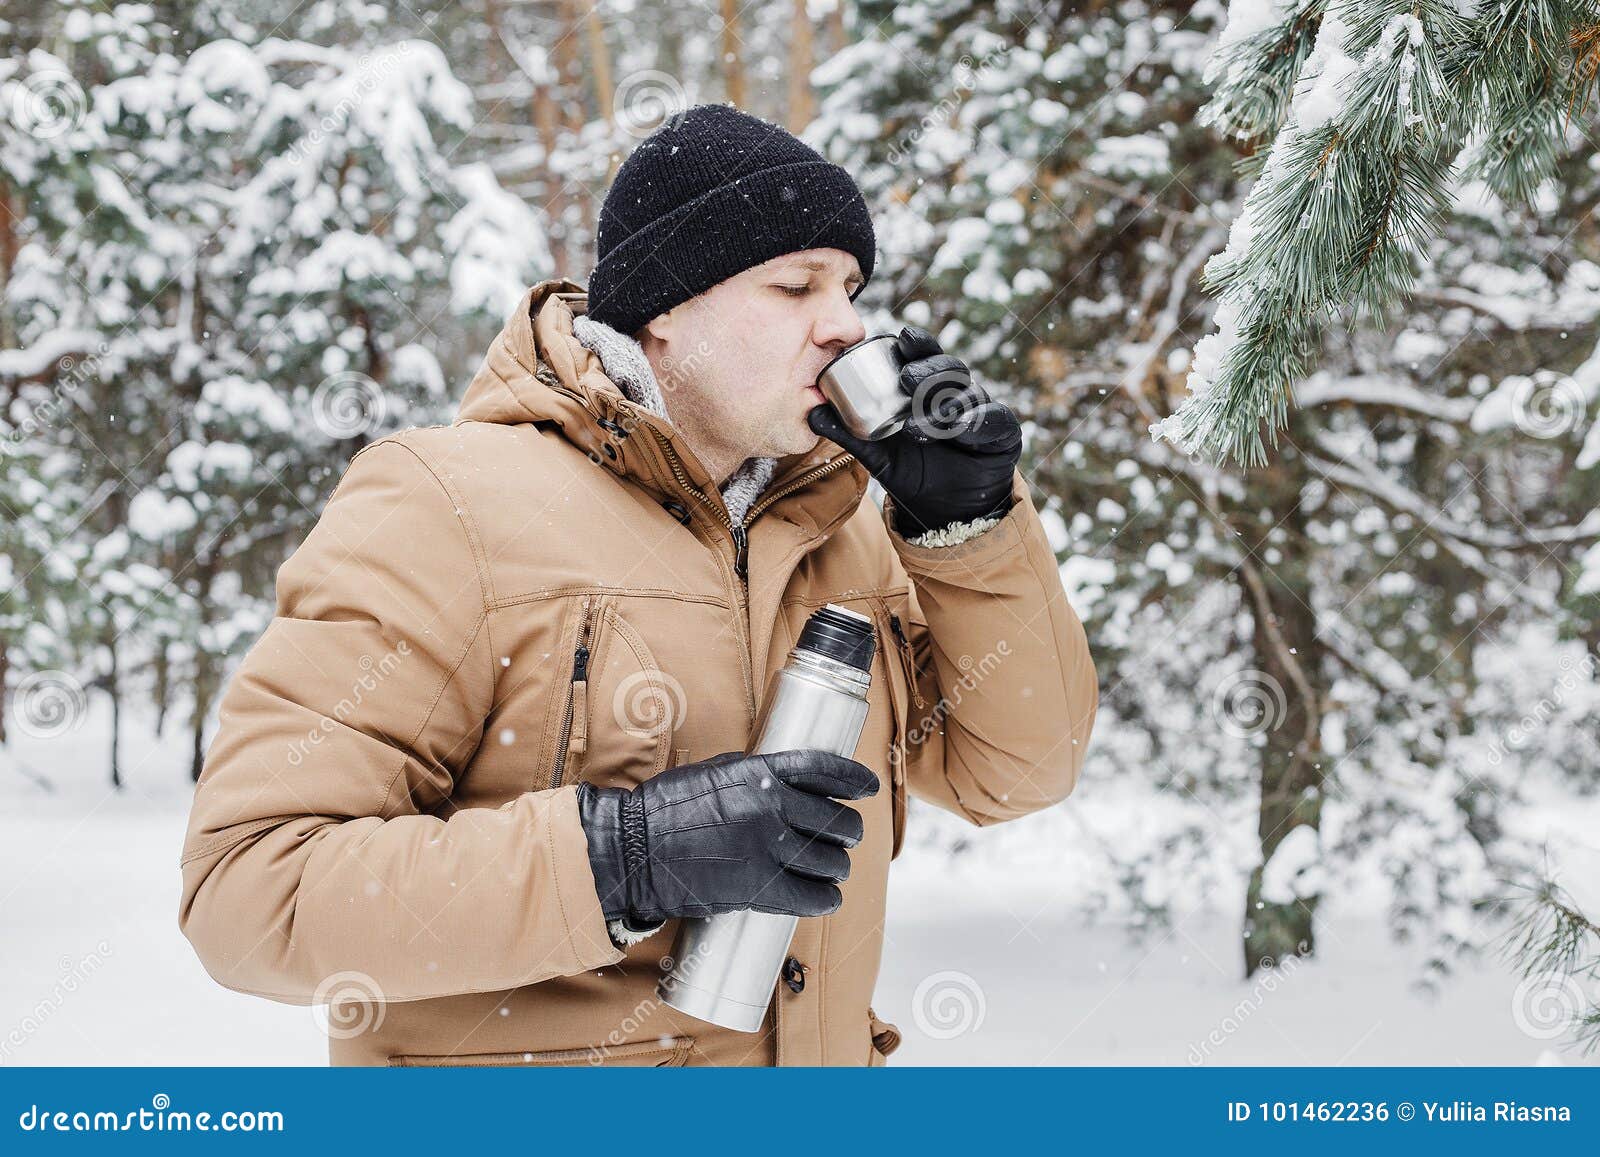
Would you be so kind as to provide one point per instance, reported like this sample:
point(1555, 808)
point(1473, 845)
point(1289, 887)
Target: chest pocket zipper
point(610, 662)
point(908, 659)
point(899, 689)
point(574, 737)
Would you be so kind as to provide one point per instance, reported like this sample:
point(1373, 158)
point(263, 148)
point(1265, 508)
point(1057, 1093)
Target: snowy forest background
point(1348, 735)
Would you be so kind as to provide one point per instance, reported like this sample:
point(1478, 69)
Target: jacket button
point(794, 975)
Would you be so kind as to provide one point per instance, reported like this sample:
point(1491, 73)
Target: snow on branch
point(1358, 178)
point(39, 362)
point(1378, 390)
point(1359, 475)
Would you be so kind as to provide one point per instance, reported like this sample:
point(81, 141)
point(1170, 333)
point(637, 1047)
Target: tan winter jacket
point(387, 818)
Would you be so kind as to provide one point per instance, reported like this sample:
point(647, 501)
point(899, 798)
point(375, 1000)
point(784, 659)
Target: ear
point(660, 327)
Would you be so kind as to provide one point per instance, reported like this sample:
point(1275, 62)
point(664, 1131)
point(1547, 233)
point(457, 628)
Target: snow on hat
point(710, 194)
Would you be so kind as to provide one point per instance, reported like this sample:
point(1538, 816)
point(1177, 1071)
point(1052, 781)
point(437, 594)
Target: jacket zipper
point(740, 532)
point(576, 737)
point(740, 535)
point(805, 479)
point(910, 660)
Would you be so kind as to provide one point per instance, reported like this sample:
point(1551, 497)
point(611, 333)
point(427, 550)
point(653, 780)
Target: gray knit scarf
point(625, 363)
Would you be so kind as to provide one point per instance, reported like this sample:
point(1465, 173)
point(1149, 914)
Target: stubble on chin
point(802, 441)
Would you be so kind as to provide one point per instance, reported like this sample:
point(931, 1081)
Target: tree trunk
point(1289, 673)
point(669, 48)
point(203, 668)
point(163, 688)
point(10, 244)
point(732, 66)
point(569, 75)
point(800, 61)
point(114, 689)
point(494, 49)
point(546, 118)
point(567, 100)
point(600, 65)
point(202, 705)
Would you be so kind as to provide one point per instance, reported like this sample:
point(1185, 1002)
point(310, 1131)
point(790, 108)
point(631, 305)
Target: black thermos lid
point(842, 635)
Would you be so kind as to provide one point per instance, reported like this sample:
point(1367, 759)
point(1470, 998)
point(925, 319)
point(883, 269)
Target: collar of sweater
point(625, 364)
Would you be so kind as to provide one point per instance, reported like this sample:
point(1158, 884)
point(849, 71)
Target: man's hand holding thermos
point(952, 459)
point(728, 833)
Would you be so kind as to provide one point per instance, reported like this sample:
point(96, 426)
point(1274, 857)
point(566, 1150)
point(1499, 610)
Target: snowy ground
point(981, 966)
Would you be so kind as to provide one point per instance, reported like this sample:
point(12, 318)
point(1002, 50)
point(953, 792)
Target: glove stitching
point(634, 837)
point(712, 824)
point(700, 794)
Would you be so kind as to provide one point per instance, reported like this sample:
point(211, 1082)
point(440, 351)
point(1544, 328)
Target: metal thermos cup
point(725, 968)
point(863, 383)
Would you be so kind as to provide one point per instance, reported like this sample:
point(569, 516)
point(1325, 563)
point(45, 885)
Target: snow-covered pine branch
point(1522, 74)
point(1358, 179)
point(1557, 947)
point(1254, 65)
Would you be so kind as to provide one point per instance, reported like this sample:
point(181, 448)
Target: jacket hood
point(538, 371)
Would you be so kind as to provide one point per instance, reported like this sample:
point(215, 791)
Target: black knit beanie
point(710, 194)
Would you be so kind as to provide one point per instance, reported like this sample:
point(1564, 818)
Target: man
point(487, 753)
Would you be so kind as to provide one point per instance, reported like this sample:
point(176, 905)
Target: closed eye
point(795, 290)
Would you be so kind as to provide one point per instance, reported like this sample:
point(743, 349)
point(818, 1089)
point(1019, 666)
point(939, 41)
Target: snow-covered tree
point(262, 241)
point(1308, 659)
point(1370, 127)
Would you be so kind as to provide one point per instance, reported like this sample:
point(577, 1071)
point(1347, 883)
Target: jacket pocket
point(900, 666)
point(885, 1038)
point(672, 1052)
point(619, 709)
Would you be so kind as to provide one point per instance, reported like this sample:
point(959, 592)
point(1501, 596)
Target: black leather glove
point(952, 461)
point(727, 833)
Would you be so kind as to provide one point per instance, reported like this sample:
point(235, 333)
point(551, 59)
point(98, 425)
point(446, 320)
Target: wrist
point(956, 533)
point(624, 935)
point(914, 525)
point(601, 812)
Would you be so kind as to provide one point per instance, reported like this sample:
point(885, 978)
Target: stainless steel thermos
point(725, 968)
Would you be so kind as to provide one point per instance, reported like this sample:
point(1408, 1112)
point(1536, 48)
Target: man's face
point(738, 363)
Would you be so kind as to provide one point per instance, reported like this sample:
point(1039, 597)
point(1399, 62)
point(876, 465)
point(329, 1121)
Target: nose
point(840, 325)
